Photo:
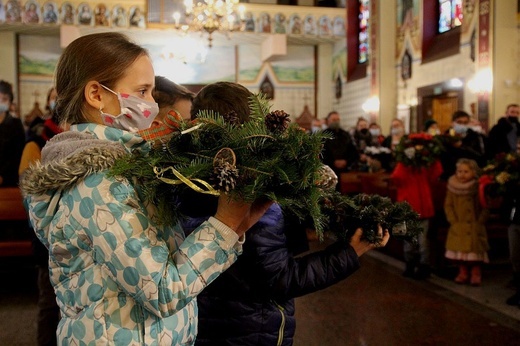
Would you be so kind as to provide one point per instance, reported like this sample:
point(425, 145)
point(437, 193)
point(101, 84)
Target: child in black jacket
point(252, 303)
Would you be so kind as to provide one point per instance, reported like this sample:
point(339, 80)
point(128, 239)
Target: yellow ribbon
point(182, 179)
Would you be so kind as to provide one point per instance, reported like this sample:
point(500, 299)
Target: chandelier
point(211, 15)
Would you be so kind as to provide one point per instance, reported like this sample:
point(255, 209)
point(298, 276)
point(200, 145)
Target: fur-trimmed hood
point(69, 157)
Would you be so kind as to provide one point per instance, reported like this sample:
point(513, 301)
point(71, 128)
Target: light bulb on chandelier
point(209, 16)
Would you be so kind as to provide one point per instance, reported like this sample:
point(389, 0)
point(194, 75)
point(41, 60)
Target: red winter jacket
point(413, 186)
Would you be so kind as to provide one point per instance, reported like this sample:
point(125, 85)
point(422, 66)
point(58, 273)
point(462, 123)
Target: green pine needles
point(266, 157)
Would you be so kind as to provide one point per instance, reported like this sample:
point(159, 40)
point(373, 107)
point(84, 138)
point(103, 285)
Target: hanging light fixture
point(208, 16)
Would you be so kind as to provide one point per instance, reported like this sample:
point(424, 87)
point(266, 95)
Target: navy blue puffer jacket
point(252, 303)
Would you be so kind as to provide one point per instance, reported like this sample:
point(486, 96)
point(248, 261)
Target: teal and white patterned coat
point(119, 278)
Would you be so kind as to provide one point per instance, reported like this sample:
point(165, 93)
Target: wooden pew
point(13, 219)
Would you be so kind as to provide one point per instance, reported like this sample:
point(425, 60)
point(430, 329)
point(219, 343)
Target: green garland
point(266, 157)
point(418, 150)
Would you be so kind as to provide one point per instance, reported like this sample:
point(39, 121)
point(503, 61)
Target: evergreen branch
point(271, 159)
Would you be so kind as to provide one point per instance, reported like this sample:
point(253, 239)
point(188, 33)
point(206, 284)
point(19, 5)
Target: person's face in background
point(374, 130)
point(396, 128)
point(461, 125)
point(464, 173)
point(361, 125)
point(513, 111)
point(461, 121)
point(333, 121)
point(5, 103)
point(51, 103)
point(434, 129)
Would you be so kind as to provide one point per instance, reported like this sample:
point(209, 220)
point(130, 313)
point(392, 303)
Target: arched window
point(363, 34)
point(450, 15)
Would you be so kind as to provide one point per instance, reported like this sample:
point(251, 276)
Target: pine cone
point(232, 118)
point(225, 176)
point(327, 178)
point(277, 121)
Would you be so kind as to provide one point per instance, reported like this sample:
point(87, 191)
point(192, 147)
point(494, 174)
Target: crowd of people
point(466, 150)
point(111, 273)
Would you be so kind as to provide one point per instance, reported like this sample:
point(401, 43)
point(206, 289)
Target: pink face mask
point(136, 113)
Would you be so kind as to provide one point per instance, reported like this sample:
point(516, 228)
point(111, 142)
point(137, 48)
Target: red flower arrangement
point(498, 177)
point(418, 150)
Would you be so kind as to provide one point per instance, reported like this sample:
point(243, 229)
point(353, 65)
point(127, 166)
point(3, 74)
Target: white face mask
point(396, 131)
point(4, 107)
point(136, 114)
point(460, 129)
point(375, 132)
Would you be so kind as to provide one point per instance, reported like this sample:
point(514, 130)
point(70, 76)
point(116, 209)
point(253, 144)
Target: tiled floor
point(375, 306)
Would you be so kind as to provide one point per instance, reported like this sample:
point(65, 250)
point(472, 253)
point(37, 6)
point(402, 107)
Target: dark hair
point(223, 97)
point(360, 119)
point(511, 105)
point(330, 114)
point(459, 114)
point(167, 92)
point(7, 88)
point(101, 57)
point(429, 123)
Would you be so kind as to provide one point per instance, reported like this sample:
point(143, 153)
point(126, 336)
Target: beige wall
point(8, 58)
point(506, 61)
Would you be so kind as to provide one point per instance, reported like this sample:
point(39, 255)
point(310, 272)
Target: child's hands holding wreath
point(266, 158)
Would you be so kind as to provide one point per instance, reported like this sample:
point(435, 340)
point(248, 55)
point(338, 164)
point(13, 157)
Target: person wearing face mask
point(35, 120)
point(505, 135)
point(48, 312)
point(375, 132)
point(362, 140)
point(318, 125)
point(461, 142)
point(431, 127)
point(120, 276)
point(12, 138)
point(396, 133)
point(339, 152)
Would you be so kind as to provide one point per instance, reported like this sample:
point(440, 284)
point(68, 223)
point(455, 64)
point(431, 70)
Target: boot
point(515, 298)
point(463, 276)
point(423, 272)
point(476, 276)
point(409, 270)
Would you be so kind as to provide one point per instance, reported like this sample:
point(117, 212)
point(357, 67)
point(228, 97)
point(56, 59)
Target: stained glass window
point(363, 36)
point(450, 14)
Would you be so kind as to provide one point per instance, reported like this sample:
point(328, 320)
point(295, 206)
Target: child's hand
point(362, 246)
point(238, 215)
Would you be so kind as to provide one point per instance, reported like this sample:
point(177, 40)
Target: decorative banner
point(484, 57)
